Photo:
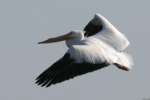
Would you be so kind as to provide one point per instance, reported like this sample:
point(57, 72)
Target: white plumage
point(99, 45)
point(111, 35)
point(95, 51)
point(107, 45)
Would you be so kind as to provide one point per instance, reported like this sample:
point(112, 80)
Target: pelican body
point(99, 45)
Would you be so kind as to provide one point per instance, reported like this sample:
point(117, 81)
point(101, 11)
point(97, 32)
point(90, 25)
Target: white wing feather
point(94, 51)
point(110, 34)
point(105, 46)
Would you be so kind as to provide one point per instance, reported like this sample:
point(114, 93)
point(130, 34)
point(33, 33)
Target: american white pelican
point(99, 45)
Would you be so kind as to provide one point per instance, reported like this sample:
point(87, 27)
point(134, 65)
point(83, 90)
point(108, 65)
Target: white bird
point(99, 45)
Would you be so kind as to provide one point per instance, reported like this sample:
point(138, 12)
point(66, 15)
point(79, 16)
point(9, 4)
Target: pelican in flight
point(99, 45)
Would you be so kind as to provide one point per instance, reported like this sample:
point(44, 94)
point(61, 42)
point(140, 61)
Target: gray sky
point(23, 23)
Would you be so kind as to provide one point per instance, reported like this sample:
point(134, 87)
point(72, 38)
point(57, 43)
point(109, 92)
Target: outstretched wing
point(65, 69)
point(99, 27)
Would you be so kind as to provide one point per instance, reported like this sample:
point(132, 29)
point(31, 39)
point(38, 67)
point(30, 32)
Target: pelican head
point(75, 35)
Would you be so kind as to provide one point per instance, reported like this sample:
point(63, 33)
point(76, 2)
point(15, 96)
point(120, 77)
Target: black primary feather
point(65, 69)
point(91, 28)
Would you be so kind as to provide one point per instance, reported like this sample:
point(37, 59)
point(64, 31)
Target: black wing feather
point(44, 78)
point(75, 69)
point(91, 28)
point(65, 69)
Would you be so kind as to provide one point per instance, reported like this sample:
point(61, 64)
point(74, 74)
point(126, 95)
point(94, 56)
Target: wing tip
point(41, 83)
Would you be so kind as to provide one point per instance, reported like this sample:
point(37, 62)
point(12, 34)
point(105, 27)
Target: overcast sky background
point(23, 23)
